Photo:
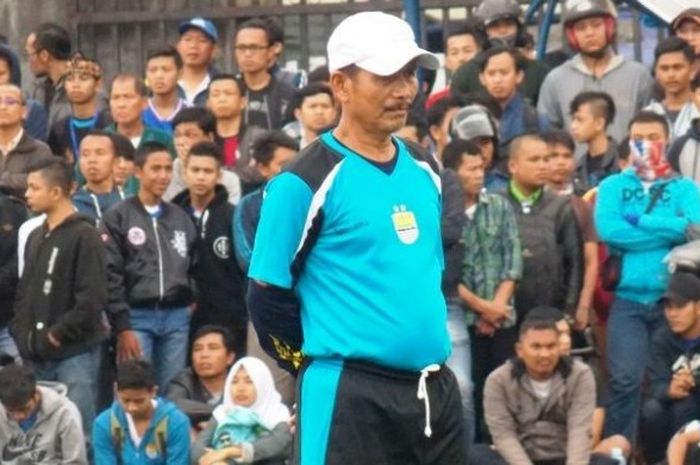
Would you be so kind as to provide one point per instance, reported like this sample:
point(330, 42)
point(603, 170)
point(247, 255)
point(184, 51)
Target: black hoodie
point(63, 290)
point(218, 278)
point(12, 214)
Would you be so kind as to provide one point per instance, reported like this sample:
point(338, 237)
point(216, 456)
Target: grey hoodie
point(56, 438)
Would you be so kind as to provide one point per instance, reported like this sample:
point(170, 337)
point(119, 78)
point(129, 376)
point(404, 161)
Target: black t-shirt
point(258, 109)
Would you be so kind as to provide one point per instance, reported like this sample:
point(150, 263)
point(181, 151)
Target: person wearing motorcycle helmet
point(503, 26)
point(589, 26)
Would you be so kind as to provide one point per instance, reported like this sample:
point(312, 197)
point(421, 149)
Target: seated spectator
point(539, 406)
point(684, 155)
point(591, 115)
point(18, 150)
point(163, 69)
point(675, 367)
point(684, 448)
point(140, 427)
point(199, 389)
point(251, 425)
point(38, 424)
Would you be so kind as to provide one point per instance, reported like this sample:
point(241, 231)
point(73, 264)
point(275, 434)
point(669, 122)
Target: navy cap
point(204, 25)
point(683, 287)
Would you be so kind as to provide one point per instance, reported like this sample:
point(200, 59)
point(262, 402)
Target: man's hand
point(494, 313)
point(128, 346)
point(53, 340)
point(214, 457)
point(483, 328)
point(681, 384)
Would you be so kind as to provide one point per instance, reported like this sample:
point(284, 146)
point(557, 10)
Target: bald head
point(528, 161)
point(523, 144)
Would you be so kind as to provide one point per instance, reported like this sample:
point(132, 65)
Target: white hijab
point(268, 403)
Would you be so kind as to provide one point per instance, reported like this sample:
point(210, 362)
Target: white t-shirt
point(542, 388)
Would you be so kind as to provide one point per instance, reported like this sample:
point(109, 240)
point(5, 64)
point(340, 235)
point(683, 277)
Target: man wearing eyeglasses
point(18, 150)
point(267, 97)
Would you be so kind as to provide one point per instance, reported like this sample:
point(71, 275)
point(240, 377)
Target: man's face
point(539, 350)
point(39, 194)
point(652, 132)
point(137, 402)
point(125, 103)
point(280, 158)
point(202, 174)
point(209, 355)
point(121, 170)
point(162, 75)
point(682, 317)
point(5, 72)
point(502, 29)
point(156, 173)
point(590, 34)
point(501, 77)
point(225, 99)
point(471, 173)
point(185, 135)
point(81, 87)
point(96, 158)
point(252, 50)
point(689, 31)
point(530, 167)
point(37, 65)
point(316, 112)
point(673, 72)
point(20, 413)
point(459, 50)
point(12, 110)
point(562, 164)
point(585, 125)
point(195, 48)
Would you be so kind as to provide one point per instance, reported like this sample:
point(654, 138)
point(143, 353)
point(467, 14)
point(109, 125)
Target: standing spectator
point(501, 71)
point(590, 29)
point(97, 160)
point(314, 110)
point(673, 69)
point(149, 244)
point(296, 79)
point(640, 214)
point(12, 214)
point(501, 19)
point(18, 150)
point(490, 266)
point(207, 203)
point(439, 117)
point(37, 423)
point(82, 83)
point(199, 389)
point(128, 99)
point(140, 426)
point(123, 172)
point(591, 115)
point(392, 223)
point(197, 48)
point(191, 126)
point(227, 102)
point(10, 73)
point(675, 355)
point(552, 249)
point(163, 69)
point(684, 154)
point(62, 293)
point(267, 98)
point(687, 26)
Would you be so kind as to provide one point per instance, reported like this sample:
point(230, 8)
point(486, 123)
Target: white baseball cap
point(376, 42)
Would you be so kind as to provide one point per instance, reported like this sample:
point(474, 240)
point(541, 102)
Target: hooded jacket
point(684, 155)
point(56, 438)
point(668, 349)
point(683, 121)
point(621, 201)
point(177, 185)
point(526, 429)
point(218, 279)
point(168, 444)
point(15, 164)
point(148, 259)
point(12, 214)
point(96, 205)
point(63, 290)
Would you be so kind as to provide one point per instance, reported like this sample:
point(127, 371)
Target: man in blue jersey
point(346, 269)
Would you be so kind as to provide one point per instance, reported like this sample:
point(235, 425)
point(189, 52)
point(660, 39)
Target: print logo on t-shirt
point(405, 224)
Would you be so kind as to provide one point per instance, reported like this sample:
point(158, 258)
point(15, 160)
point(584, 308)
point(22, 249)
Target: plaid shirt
point(492, 248)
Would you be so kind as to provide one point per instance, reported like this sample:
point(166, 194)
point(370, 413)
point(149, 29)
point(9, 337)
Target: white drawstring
point(423, 394)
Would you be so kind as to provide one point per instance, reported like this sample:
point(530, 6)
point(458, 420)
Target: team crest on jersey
point(179, 243)
point(222, 247)
point(405, 224)
point(136, 236)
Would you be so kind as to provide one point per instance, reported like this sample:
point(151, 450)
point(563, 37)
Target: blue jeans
point(78, 373)
point(164, 335)
point(460, 362)
point(7, 344)
point(630, 328)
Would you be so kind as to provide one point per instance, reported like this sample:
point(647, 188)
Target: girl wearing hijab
point(252, 423)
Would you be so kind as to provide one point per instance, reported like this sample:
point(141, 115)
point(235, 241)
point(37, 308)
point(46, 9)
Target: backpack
point(117, 433)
